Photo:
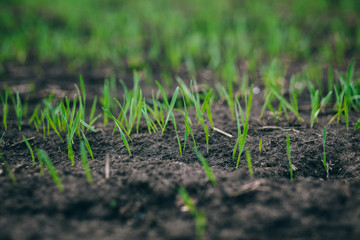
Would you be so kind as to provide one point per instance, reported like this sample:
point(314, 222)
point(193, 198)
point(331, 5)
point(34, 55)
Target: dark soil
point(140, 199)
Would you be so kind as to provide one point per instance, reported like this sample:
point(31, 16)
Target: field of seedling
point(184, 119)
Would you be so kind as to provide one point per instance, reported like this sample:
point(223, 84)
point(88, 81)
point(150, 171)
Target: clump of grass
point(200, 217)
point(30, 149)
point(8, 170)
point(284, 105)
point(206, 168)
point(249, 163)
point(346, 96)
point(85, 163)
point(194, 98)
point(42, 155)
point(289, 155)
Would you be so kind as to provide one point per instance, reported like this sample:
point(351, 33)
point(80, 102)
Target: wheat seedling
point(206, 168)
point(200, 217)
point(53, 173)
point(30, 149)
point(85, 163)
point(289, 155)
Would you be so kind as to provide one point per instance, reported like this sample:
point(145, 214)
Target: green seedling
point(249, 163)
point(18, 110)
point(346, 96)
point(53, 173)
point(131, 110)
point(245, 121)
point(316, 105)
point(194, 98)
point(121, 129)
point(289, 155)
point(207, 138)
point(92, 117)
point(149, 122)
point(52, 124)
point(260, 145)
point(106, 100)
point(70, 150)
point(200, 217)
point(188, 131)
point(206, 168)
point(357, 126)
point(324, 153)
point(85, 163)
point(170, 108)
point(30, 149)
point(87, 144)
point(35, 118)
point(292, 106)
point(5, 107)
point(8, 170)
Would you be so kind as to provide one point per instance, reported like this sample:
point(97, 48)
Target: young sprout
point(171, 107)
point(70, 150)
point(92, 119)
point(200, 217)
point(260, 144)
point(35, 118)
point(18, 109)
point(207, 138)
point(8, 170)
point(52, 124)
point(242, 137)
point(324, 153)
point(207, 168)
point(53, 173)
point(85, 163)
point(30, 149)
point(289, 155)
point(357, 127)
point(248, 159)
point(5, 107)
point(317, 106)
point(121, 128)
point(292, 106)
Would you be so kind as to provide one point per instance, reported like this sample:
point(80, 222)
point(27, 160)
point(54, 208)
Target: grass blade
point(207, 168)
point(289, 155)
point(87, 144)
point(53, 173)
point(200, 217)
point(171, 107)
point(120, 126)
point(85, 163)
point(30, 149)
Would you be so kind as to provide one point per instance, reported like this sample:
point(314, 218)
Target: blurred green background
point(165, 35)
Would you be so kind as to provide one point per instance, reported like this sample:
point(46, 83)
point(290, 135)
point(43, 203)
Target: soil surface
point(140, 199)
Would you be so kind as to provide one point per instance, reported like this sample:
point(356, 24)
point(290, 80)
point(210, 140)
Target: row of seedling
point(344, 94)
